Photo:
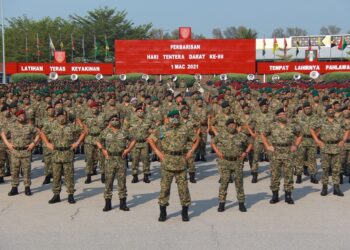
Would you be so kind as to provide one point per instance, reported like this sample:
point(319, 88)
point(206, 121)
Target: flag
point(264, 47)
point(275, 45)
point(37, 43)
point(342, 43)
point(285, 47)
point(96, 47)
point(61, 45)
point(106, 45)
point(310, 46)
point(52, 46)
point(297, 50)
point(26, 44)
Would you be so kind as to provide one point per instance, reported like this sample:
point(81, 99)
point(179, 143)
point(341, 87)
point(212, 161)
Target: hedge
point(287, 76)
point(337, 76)
point(131, 77)
point(233, 77)
point(80, 77)
point(33, 77)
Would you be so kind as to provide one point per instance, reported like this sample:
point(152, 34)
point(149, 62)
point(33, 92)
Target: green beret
point(154, 98)
point(173, 113)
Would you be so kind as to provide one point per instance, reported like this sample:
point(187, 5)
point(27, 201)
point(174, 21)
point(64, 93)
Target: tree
point(240, 32)
point(217, 33)
point(295, 31)
point(278, 33)
point(330, 30)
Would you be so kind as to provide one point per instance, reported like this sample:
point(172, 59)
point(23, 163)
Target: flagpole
point(83, 45)
point(3, 44)
point(26, 47)
point(50, 50)
point(37, 46)
point(71, 39)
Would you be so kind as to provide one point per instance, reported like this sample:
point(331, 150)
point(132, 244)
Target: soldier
point(113, 141)
point(346, 150)
point(284, 138)
point(93, 124)
point(63, 141)
point(231, 148)
point(200, 114)
point(330, 137)
point(140, 128)
point(23, 138)
point(173, 138)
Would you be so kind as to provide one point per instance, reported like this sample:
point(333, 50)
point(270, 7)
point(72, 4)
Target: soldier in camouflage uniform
point(330, 137)
point(306, 153)
point(113, 142)
point(3, 149)
point(173, 138)
point(284, 138)
point(140, 127)
point(231, 148)
point(345, 154)
point(94, 123)
point(200, 114)
point(23, 138)
point(65, 137)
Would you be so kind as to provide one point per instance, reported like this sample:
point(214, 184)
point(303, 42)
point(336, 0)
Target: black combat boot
point(94, 172)
point(255, 177)
point(288, 198)
point(231, 179)
point(306, 171)
point(203, 158)
point(341, 180)
point(14, 191)
point(47, 180)
point(122, 204)
point(27, 191)
point(103, 178)
point(221, 207)
point(162, 216)
point(108, 205)
point(56, 198)
point(197, 158)
point(242, 207)
point(146, 179)
point(2, 180)
point(275, 198)
point(184, 213)
point(88, 179)
point(135, 178)
point(313, 179)
point(337, 191)
point(298, 179)
point(193, 177)
point(71, 199)
point(324, 191)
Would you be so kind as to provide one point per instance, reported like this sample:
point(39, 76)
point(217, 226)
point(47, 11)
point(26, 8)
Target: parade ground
point(314, 222)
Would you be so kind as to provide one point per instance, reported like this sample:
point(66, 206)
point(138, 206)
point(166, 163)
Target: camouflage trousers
point(115, 167)
point(277, 167)
point(258, 150)
point(235, 169)
point(345, 160)
point(203, 141)
point(16, 165)
point(306, 156)
point(92, 155)
point(47, 161)
point(102, 161)
point(3, 156)
point(66, 169)
point(182, 186)
point(191, 166)
point(142, 154)
point(330, 161)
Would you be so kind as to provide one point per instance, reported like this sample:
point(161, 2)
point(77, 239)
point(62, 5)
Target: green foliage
point(337, 76)
point(287, 76)
point(189, 79)
point(233, 77)
point(34, 77)
point(80, 77)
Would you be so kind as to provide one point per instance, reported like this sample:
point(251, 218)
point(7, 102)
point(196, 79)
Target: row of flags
point(52, 46)
point(341, 45)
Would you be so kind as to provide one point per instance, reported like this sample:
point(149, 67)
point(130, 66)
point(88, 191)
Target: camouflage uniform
point(62, 137)
point(115, 143)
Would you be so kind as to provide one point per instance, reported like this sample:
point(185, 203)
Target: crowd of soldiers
point(112, 123)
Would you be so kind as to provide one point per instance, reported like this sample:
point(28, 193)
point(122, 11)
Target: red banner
point(302, 67)
point(66, 69)
point(214, 56)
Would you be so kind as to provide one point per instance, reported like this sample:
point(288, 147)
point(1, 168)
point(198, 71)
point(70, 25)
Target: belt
point(20, 148)
point(62, 148)
point(307, 136)
point(115, 153)
point(282, 145)
point(331, 142)
point(228, 158)
point(140, 141)
point(175, 153)
point(94, 134)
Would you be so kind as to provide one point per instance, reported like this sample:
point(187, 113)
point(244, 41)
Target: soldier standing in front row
point(23, 138)
point(113, 142)
point(63, 141)
point(232, 147)
point(173, 138)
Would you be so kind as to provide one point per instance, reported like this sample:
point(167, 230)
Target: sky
point(201, 15)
